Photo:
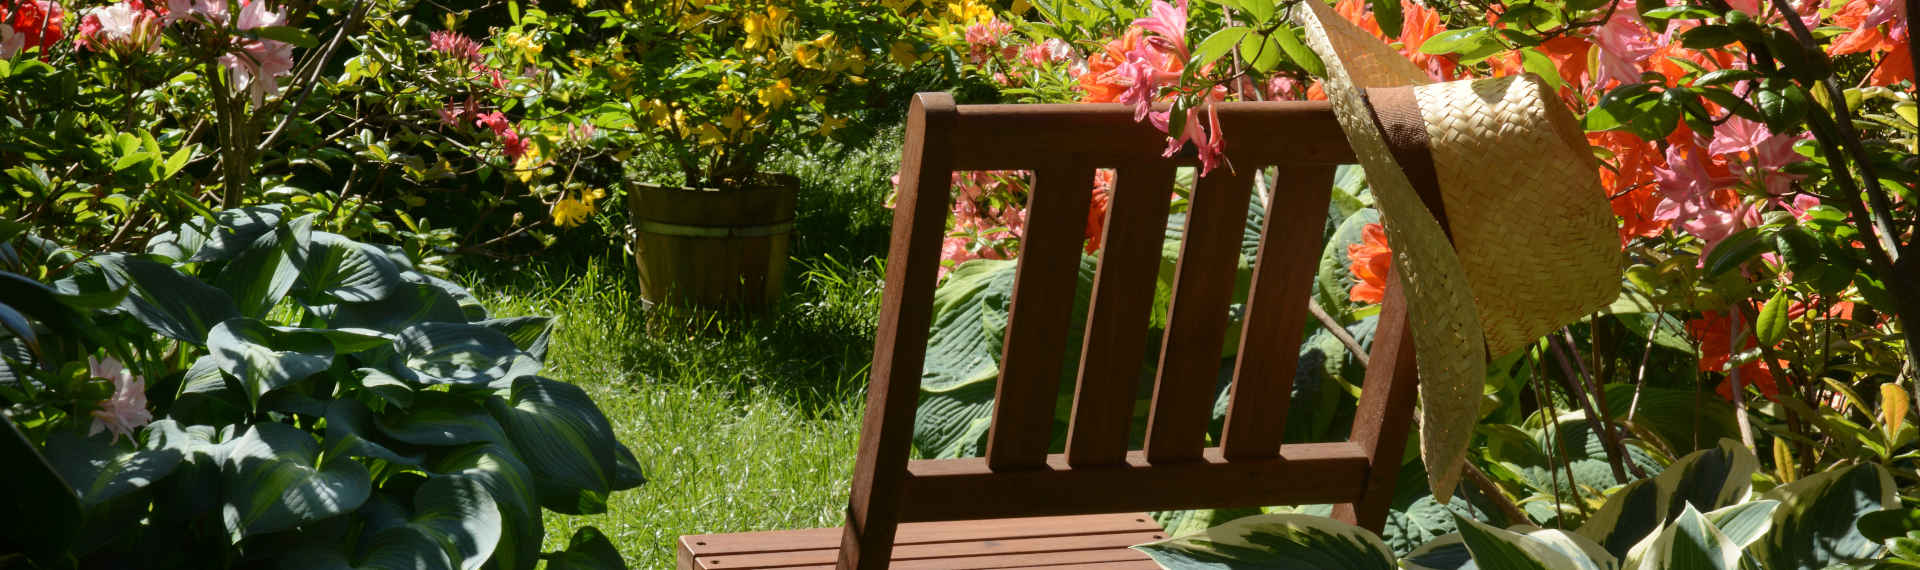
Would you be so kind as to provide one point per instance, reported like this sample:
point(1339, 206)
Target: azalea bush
point(1759, 158)
point(251, 390)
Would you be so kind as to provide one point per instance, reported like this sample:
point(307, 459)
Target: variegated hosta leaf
point(1746, 522)
point(1690, 542)
point(1815, 525)
point(1709, 478)
point(1496, 548)
point(1450, 552)
point(1281, 540)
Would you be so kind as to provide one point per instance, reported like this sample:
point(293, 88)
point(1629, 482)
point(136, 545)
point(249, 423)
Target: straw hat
point(1528, 243)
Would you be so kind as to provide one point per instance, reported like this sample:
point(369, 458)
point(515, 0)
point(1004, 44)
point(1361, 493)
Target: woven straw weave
point(1532, 246)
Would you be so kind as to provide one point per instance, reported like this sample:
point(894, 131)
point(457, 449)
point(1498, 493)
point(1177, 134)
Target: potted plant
point(713, 88)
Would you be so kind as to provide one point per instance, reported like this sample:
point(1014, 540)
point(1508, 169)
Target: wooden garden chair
point(1021, 506)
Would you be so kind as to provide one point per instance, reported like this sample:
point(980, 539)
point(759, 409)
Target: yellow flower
point(761, 31)
point(569, 212)
point(527, 167)
point(903, 53)
point(830, 124)
point(735, 120)
point(776, 95)
point(710, 135)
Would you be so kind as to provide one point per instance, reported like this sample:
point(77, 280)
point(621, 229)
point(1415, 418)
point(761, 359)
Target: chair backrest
point(1063, 145)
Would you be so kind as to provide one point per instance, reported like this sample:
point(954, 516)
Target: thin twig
point(1493, 493)
point(1339, 332)
point(1615, 455)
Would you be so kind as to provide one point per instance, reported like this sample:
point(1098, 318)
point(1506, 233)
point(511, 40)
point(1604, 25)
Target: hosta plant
point(251, 390)
point(1701, 512)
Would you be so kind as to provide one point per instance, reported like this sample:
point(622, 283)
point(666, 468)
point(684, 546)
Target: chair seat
point(1083, 541)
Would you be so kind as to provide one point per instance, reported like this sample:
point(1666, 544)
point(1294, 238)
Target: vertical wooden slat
point(1197, 317)
point(899, 346)
point(1385, 413)
point(1037, 321)
point(1117, 316)
point(1276, 312)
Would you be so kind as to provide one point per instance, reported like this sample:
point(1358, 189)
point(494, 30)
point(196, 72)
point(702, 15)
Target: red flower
point(1371, 258)
point(33, 23)
point(1097, 210)
point(1714, 330)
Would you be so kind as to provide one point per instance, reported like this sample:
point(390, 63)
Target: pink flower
point(984, 38)
point(126, 410)
point(512, 145)
point(124, 28)
point(11, 42)
point(1169, 22)
point(257, 63)
point(210, 12)
point(1623, 44)
point(495, 121)
point(456, 45)
point(1208, 143)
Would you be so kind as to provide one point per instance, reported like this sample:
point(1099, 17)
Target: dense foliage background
point(293, 161)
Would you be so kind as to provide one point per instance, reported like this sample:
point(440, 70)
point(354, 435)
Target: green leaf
point(1219, 44)
point(511, 484)
point(263, 359)
point(460, 514)
point(234, 230)
point(438, 418)
point(1771, 325)
point(1334, 281)
point(1889, 524)
point(1539, 64)
point(172, 304)
point(411, 303)
point(564, 438)
point(1298, 51)
point(1782, 103)
point(350, 429)
point(459, 353)
point(340, 270)
point(1470, 43)
point(1816, 524)
point(1745, 523)
point(1734, 251)
point(1281, 540)
point(1388, 14)
point(1708, 36)
point(1261, 52)
point(100, 471)
point(1261, 10)
point(531, 334)
point(1500, 549)
point(35, 486)
point(1690, 542)
point(589, 549)
point(261, 275)
point(275, 481)
point(1723, 76)
point(1711, 478)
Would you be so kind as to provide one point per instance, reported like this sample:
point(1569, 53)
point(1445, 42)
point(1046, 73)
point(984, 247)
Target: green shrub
point(315, 401)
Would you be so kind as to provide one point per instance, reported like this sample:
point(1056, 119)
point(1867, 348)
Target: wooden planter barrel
point(720, 249)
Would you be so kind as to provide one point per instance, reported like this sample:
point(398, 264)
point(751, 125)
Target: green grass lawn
point(738, 426)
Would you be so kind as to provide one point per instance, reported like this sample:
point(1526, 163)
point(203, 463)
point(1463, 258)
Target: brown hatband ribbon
point(1396, 112)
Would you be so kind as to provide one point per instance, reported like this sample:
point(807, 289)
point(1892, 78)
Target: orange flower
point(1897, 66)
point(1098, 81)
point(1370, 260)
point(1715, 332)
point(1569, 56)
point(1097, 210)
point(1630, 183)
point(1417, 25)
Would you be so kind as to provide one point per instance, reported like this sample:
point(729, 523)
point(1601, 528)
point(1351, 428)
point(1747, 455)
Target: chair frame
point(1063, 145)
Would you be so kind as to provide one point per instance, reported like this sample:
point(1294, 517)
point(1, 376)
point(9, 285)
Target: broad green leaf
point(1219, 44)
point(1746, 522)
point(410, 304)
point(564, 438)
point(969, 323)
point(1735, 251)
point(1280, 540)
point(1691, 542)
point(1711, 478)
point(179, 244)
point(99, 470)
point(1298, 52)
point(258, 277)
point(589, 549)
point(1679, 416)
point(1448, 552)
point(1500, 549)
point(531, 334)
point(438, 418)
point(263, 359)
point(460, 514)
point(1771, 325)
point(1388, 14)
point(275, 481)
point(1261, 52)
point(234, 230)
point(350, 428)
point(288, 34)
point(1816, 524)
point(459, 353)
point(1889, 524)
point(340, 270)
point(174, 305)
point(511, 484)
point(409, 547)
